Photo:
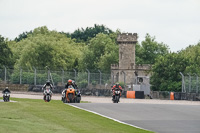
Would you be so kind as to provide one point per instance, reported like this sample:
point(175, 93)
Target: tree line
point(95, 48)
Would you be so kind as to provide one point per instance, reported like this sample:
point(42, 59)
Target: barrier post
point(171, 95)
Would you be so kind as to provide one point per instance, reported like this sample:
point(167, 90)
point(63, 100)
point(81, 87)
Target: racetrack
point(162, 116)
point(95, 99)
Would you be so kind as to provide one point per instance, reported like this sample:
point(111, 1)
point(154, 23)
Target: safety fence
point(190, 83)
point(58, 78)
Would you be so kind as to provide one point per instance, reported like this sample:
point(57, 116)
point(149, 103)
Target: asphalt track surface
point(161, 116)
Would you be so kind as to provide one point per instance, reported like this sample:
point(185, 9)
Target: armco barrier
point(177, 96)
point(180, 96)
point(139, 94)
point(164, 95)
point(155, 94)
point(184, 96)
point(191, 96)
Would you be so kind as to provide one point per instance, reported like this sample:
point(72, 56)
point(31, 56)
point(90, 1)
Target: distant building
point(127, 71)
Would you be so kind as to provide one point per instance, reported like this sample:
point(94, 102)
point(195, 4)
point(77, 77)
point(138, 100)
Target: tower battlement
point(127, 38)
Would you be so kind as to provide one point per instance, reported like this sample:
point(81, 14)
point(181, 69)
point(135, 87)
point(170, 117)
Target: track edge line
point(108, 117)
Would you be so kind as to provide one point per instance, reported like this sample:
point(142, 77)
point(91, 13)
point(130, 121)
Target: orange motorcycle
point(69, 95)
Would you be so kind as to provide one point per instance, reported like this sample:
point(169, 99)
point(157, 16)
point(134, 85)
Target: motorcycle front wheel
point(48, 98)
point(70, 96)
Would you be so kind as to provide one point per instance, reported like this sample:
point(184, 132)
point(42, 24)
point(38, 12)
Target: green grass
point(35, 116)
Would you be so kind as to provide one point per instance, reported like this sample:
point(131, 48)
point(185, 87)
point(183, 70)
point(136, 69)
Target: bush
point(29, 78)
point(26, 78)
point(82, 84)
point(81, 79)
point(94, 82)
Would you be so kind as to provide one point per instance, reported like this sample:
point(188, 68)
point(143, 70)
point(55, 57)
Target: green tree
point(193, 54)
point(84, 35)
point(166, 72)
point(149, 50)
point(47, 48)
point(6, 54)
point(24, 35)
point(100, 53)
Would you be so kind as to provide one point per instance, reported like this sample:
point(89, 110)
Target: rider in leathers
point(49, 86)
point(6, 90)
point(72, 83)
point(114, 87)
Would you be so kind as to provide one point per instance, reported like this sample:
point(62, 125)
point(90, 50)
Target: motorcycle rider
point(76, 88)
point(113, 90)
point(48, 85)
point(69, 82)
point(6, 90)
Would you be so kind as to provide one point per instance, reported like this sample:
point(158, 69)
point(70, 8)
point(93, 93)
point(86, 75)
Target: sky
point(176, 23)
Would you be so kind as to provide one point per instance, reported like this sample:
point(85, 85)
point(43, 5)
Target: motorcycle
point(77, 96)
point(68, 96)
point(6, 97)
point(72, 94)
point(117, 95)
point(47, 95)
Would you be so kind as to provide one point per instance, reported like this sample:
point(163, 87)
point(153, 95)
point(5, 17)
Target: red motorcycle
point(117, 95)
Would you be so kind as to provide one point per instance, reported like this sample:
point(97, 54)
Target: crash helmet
point(70, 81)
point(117, 85)
point(48, 83)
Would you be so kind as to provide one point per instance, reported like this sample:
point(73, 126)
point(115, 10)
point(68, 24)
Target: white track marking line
point(107, 117)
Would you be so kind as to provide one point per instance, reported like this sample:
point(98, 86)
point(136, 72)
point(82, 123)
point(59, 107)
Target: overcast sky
point(173, 22)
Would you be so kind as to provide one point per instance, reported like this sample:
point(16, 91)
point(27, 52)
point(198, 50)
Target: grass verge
point(34, 116)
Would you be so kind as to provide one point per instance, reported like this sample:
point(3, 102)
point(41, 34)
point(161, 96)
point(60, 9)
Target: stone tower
point(127, 50)
point(127, 71)
point(124, 71)
point(126, 56)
